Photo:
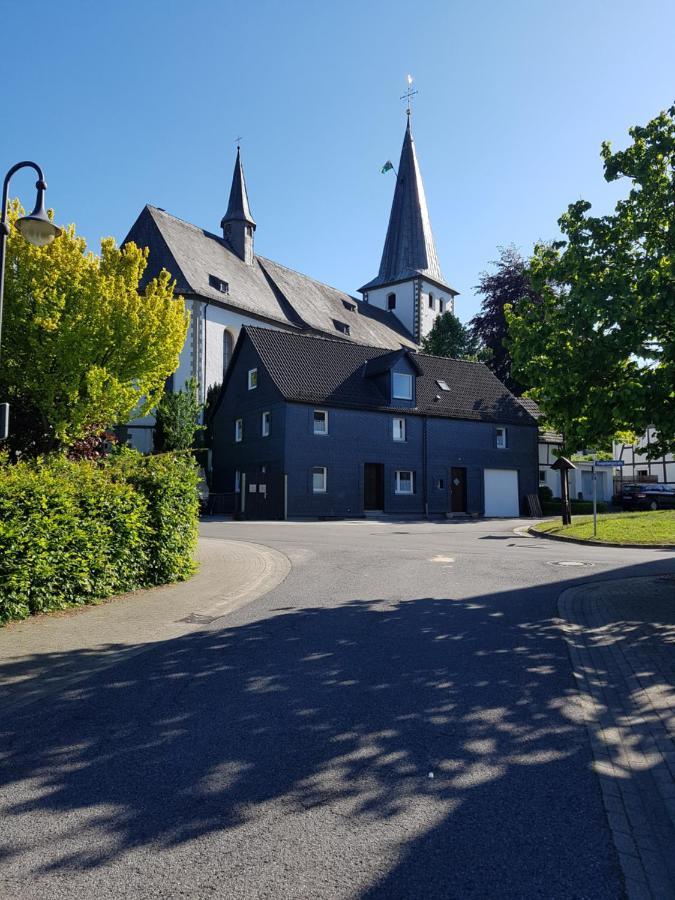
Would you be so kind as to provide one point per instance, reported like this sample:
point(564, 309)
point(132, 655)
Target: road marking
point(440, 559)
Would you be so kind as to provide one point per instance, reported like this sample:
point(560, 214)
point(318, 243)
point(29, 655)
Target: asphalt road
point(395, 720)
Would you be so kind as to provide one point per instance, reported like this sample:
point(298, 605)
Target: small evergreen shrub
point(545, 493)
point(73, 532)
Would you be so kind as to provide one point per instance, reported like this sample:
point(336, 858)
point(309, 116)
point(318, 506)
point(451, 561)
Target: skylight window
point(443, 385)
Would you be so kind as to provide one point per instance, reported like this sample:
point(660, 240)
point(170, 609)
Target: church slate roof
point(264, 290)
point(409, 247)
point(309, 369)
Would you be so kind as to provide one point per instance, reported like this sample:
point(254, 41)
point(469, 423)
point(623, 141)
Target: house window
point(501, 438)
point(402, 386)
point(252, 379)
point(404, 482)
point(237, 482)
point(320, 421)
point(265, 424)
point(399, 429)
point(319, 479)
point(542, 476)
point(238, 430)
point(440, 305)
point(391, 301)
point(440, 484)
point(431, 301)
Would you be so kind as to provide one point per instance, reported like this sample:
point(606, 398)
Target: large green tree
point(599, 347)
point(448, 337)
point(82, 348)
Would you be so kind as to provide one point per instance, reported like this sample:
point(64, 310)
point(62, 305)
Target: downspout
point(424, 468)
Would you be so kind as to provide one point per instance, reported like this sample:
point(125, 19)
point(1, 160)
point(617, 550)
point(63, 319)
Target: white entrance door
point(501, 493)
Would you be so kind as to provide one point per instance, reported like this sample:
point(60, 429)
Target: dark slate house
point(310, 426)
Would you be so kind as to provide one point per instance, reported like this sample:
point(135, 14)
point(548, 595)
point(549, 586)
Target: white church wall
point(405, 301)
point(442, 300)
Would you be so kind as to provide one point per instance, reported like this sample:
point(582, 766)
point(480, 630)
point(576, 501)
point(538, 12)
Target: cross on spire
point(238, 141)
point(409, 94)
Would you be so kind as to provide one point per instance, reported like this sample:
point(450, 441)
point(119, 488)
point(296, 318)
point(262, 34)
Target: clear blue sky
point(132, 103)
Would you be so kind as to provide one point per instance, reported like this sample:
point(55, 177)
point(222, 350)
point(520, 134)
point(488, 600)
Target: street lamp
point(37, 229)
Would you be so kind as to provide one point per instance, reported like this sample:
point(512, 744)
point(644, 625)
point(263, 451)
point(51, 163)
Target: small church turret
point(237, 223)
point(410, 282)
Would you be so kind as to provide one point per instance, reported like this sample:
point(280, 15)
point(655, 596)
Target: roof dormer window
point(341, 326)
point(219, 284)
point(401, 386)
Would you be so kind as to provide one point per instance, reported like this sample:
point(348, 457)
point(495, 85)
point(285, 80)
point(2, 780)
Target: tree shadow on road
point(446, 731)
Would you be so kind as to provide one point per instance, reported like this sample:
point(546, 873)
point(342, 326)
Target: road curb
point(568, 540)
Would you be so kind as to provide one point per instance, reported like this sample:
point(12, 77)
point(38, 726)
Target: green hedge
point(75, 532)
point(579, 507)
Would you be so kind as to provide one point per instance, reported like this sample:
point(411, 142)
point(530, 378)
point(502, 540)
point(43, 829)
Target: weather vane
point(409, 94)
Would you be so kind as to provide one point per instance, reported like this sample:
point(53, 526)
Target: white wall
point(637, 464)
point(405, 301)
point(201, 356)
point(428, 315)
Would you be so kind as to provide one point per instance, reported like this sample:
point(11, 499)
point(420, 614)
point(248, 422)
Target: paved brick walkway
point(621, 636)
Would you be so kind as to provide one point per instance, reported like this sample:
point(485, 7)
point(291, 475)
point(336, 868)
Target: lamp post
point(37, 229)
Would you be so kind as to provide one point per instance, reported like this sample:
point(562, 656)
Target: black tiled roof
point(325, 371)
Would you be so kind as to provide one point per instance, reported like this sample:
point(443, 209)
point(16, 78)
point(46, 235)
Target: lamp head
point(37, 228)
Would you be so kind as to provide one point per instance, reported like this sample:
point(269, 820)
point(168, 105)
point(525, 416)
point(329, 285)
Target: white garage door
point(501, 492)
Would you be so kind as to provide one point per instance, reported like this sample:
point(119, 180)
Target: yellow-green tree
point(82, 347)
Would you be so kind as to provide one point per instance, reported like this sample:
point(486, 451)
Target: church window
point(440, 305)
point(227, 350)
point(431, 301)
point(391, 301)
point(252, 379)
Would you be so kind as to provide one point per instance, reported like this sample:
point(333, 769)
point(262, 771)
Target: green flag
point(387, 167)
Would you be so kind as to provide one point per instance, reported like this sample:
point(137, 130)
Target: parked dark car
point(648, 496)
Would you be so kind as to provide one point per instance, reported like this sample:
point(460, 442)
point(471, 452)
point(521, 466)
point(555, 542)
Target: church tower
point(237, 223)
point(410, 282)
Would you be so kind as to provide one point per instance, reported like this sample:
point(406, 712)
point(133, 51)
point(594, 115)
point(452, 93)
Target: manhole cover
point(571, 563)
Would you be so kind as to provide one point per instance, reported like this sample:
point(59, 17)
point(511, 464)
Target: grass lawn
point(619, 528)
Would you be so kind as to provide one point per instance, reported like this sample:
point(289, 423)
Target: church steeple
point(238, 224)
point(409, 247)
point(410, 283)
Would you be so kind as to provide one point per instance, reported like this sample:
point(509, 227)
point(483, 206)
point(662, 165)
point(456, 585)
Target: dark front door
point(458, 489)
point(373, 486)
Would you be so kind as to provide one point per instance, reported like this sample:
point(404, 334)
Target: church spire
point(238, 224)
point(409, 248)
